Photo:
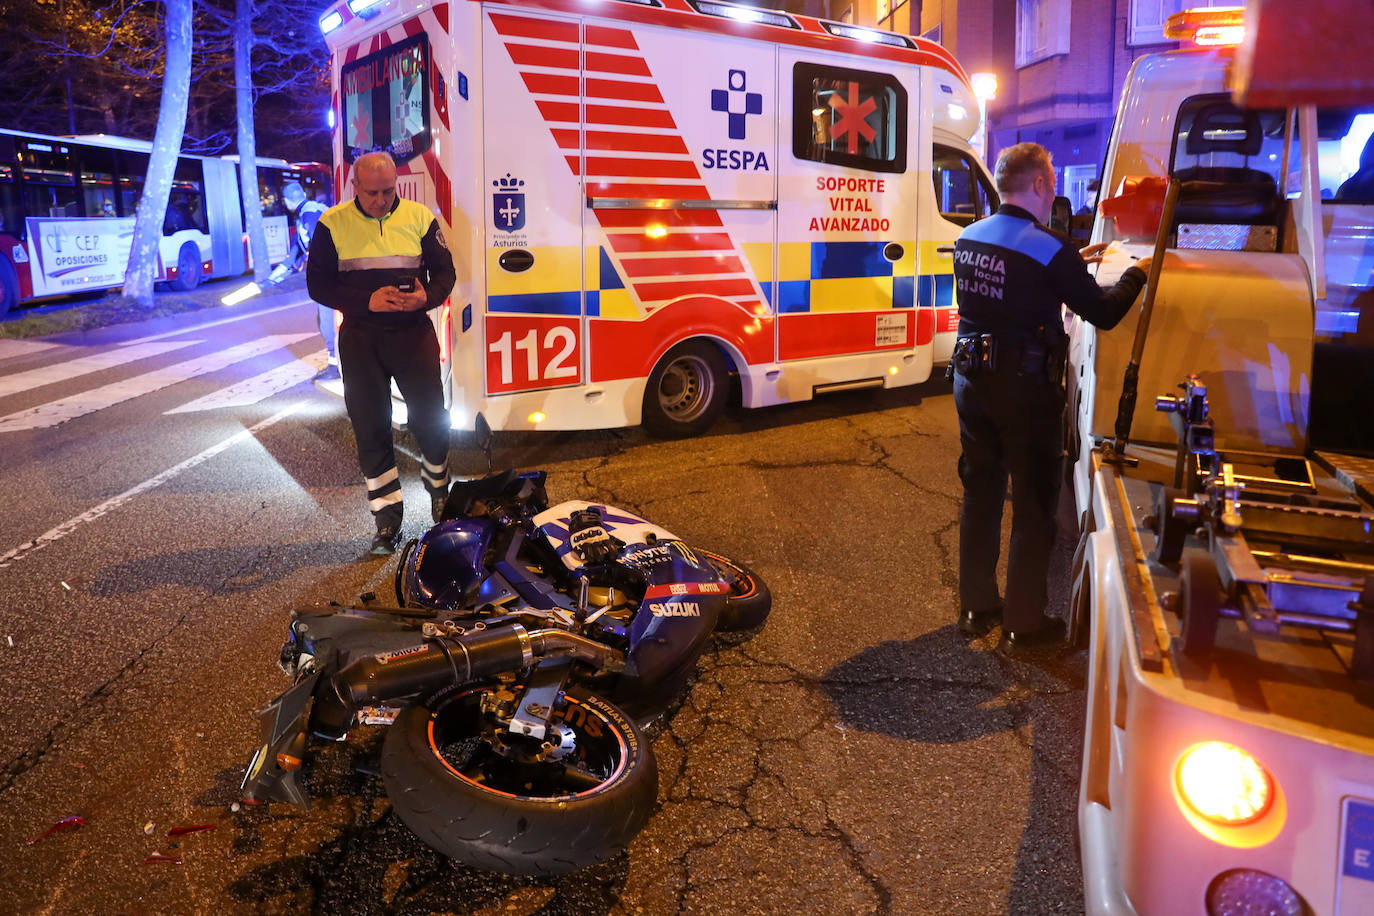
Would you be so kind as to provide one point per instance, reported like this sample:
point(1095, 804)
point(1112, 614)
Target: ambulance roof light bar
point(330, 21)
point(744, 13)
point(1216, 26)
point(843, 30)
point(360, 7)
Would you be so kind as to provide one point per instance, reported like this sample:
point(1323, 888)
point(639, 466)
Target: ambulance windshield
point(386, 101)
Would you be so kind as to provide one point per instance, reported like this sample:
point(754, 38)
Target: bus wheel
point(189, 270)
point(686, 391)
point(9, 286)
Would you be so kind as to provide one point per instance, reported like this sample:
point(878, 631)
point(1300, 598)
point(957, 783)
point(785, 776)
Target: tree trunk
point(162, 163)
point(247, 138)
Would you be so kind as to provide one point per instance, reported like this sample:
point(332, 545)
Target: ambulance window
point(849, 118)
point(960, 188)
point(386, 101)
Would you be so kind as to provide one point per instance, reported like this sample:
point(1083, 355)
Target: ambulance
point(659, 206)
point(1224, 583)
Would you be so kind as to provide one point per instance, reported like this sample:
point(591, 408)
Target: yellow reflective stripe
point(390, 262)
point(381, 502)
point(387, 476)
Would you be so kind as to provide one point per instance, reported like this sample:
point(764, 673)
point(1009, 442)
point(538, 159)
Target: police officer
point(382, 261)
point(1011, 275)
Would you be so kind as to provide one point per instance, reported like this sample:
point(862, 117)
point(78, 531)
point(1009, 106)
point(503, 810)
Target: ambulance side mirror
point(1061, 214)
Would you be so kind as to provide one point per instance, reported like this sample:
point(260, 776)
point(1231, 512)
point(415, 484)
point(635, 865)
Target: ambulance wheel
point(9, 286)
point(188, 268)
point(1200, 599)
point(686, 391)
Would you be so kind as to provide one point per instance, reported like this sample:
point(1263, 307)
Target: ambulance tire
point(189, 268)
point(686, 391)
point(9, 286)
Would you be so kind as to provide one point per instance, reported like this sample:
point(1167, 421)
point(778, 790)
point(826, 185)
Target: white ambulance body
point(1232, 771)
point(653, 195)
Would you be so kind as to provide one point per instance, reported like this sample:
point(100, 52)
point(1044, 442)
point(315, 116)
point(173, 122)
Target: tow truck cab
point(1224, 583)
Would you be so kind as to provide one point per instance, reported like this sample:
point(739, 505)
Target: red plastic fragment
point(198, 828)
point(161, 857)
point(64, 824)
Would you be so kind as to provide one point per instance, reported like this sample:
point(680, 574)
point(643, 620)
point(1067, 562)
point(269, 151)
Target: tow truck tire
point(1200, 600)
point(449, 785)
point(749, 602)
point(189, 268)
point(686, 391)
point(1170, 530)
point(9, 286)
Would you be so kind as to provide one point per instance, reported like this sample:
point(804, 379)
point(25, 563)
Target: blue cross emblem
point(736, 103)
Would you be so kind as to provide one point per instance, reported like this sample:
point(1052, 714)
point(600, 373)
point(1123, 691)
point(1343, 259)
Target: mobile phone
point(406, 284)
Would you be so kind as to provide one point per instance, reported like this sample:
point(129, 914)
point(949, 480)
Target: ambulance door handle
point(945, 249)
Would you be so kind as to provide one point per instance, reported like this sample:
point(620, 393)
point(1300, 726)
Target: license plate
point(1355, 878)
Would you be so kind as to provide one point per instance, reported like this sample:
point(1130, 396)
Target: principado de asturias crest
point(508, 204)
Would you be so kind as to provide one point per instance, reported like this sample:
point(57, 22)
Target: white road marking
point(250, 391)
point(215, 324)
point(109, 505)
point(82, 365)
point(10, 348)
point(77, 405)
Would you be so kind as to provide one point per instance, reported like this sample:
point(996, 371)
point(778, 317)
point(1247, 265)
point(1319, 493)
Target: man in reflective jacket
point(1011, 274)
point(382, 261)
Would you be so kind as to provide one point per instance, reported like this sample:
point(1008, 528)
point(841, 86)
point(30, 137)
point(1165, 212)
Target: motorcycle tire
point(449, 786)
point(749, 602)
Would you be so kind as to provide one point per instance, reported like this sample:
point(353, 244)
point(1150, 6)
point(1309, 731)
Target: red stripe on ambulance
point(629, 117)
point(629, 348)
point(542, 29)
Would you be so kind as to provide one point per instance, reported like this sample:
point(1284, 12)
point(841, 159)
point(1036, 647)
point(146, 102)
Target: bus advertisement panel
point(70, 255)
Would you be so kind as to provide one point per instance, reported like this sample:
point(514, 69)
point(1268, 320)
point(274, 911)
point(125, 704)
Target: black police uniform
point(1011, 274)
point(352, 255)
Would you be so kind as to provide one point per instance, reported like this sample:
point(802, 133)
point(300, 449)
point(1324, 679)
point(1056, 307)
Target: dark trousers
point(369, 359)
point(1010, 426)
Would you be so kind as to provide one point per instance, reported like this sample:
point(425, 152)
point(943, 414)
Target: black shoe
point(1046, 637)
point(384, 544)
point(978, 623)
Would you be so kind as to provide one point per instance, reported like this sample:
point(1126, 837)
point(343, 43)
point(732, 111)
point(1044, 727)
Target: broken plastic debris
point(10, 640)
point(198, 828)
point(65, 824)
point(149, 827)
point(235, 806)
point(65, 585)
point(159, 856)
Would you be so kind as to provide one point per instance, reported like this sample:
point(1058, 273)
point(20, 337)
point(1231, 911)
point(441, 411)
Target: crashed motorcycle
point(530, 647)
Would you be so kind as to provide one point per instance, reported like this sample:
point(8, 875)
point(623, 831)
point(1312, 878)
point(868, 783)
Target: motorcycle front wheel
point(749, 601)
point(479, 794)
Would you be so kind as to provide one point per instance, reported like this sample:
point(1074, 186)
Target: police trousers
point(1010, 427)
point(369, 359)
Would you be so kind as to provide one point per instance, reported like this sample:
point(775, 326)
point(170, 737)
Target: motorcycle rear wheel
point(749, 602)
point(450, 786)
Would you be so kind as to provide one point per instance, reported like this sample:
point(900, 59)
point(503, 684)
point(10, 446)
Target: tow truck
point(1223, 584)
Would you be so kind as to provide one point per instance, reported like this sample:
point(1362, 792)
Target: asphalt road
point(855, 756)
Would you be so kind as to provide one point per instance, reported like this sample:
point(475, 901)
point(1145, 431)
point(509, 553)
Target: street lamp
point(984, 90)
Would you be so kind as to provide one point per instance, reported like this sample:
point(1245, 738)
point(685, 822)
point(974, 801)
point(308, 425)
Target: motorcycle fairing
point(618, 523)
point(683, 598)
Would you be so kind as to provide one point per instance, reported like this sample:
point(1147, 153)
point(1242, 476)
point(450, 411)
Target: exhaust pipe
point(442, 660)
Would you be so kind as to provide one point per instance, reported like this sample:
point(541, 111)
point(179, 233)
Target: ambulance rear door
point(680, 153)
point(847, 225)
point(533, 322)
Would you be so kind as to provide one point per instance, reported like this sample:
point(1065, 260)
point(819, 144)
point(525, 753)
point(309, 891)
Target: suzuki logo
point(736, 103)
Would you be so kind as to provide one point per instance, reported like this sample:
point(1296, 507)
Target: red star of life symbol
point(851, 116)
point(360, 131)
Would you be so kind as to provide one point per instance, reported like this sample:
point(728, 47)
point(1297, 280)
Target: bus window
point(11, 207)
point(97, 175)
point(132, 169)
point(959, 187)
point(186, 205)
point(848, 118)
point(49, 182)
point(269, 191)
point(386, 101)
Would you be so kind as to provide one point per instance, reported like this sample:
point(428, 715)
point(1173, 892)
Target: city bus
point(67, 207)
point(659, 206)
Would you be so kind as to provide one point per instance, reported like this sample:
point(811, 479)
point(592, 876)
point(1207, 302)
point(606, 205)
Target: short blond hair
point(1018, 165)
point(374, 162)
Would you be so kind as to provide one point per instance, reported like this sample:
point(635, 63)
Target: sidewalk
point(97, 311)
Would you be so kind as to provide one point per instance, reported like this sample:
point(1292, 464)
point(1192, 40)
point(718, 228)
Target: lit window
point(1042, 30)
